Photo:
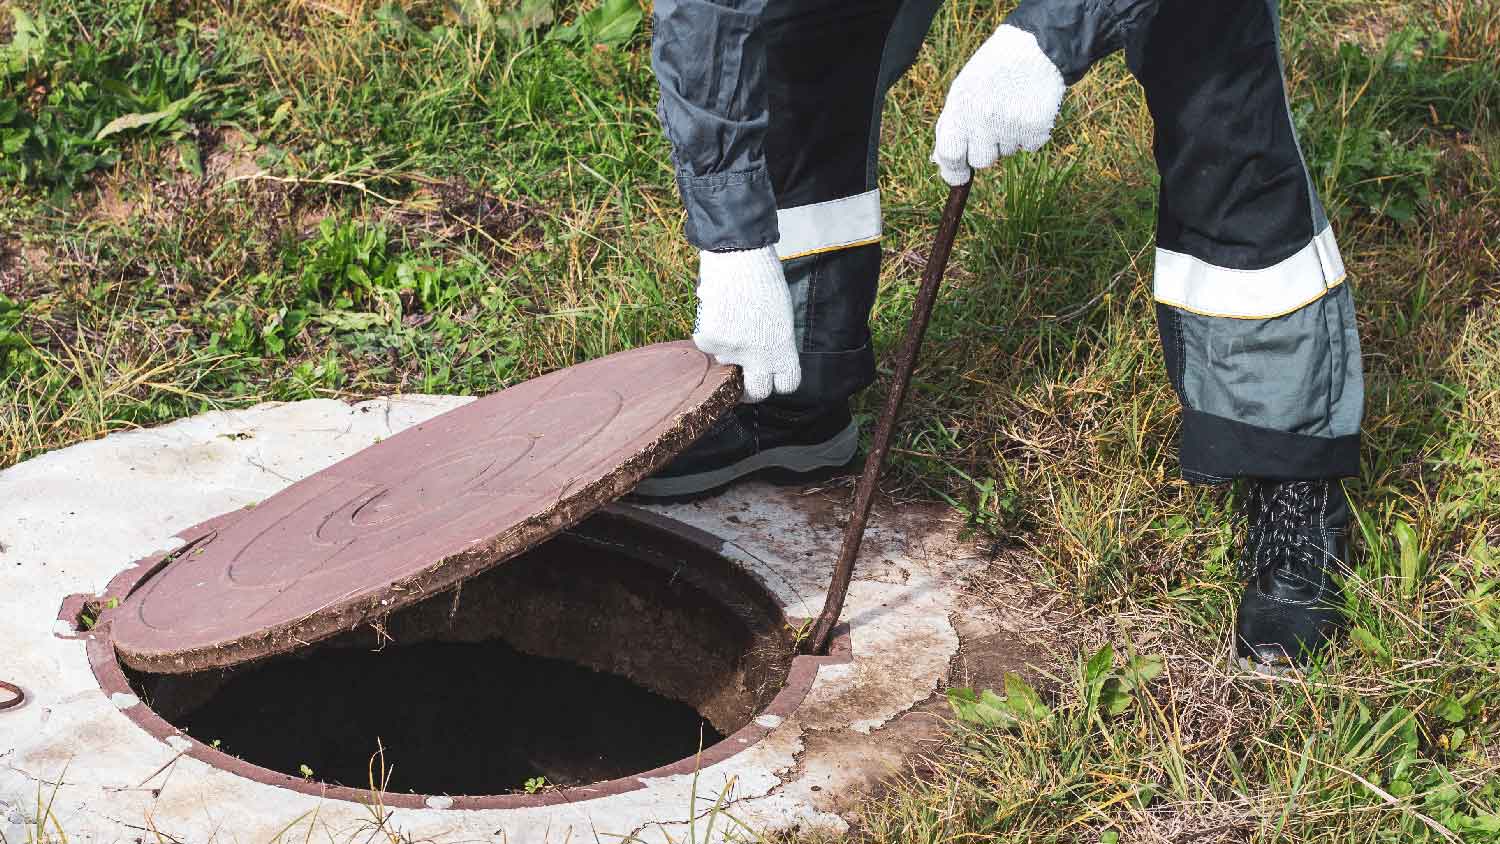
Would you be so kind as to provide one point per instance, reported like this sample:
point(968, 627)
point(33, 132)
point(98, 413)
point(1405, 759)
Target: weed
point(1366, 147)
point(611, 23)
point(66, 105)
point(14, 345)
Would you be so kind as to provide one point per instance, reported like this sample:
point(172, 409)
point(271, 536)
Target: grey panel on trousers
point(710, 63)
point(1298, 373)
point(1349, 405)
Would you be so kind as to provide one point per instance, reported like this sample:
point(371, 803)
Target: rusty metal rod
point(906, 361)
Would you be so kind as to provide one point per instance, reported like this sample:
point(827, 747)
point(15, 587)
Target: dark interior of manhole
point(610, 650)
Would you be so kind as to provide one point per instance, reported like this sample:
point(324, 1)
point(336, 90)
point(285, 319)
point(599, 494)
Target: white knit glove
point(1005, 99)
point(745, 318)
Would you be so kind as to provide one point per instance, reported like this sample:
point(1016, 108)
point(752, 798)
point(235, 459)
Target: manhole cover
point(422, 511)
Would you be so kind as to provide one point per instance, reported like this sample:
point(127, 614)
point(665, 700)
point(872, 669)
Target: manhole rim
point(106, 666)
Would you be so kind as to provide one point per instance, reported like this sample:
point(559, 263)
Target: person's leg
point(829, 64)
point(1256, 316)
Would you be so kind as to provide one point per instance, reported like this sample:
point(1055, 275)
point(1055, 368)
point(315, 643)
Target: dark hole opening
point(453, 718)
point(611, 650)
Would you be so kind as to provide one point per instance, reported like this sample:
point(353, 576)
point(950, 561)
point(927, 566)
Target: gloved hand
point(745, 318)
point(1005, 99)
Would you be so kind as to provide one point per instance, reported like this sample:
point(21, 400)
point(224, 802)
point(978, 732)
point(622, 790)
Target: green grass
point(340, 198)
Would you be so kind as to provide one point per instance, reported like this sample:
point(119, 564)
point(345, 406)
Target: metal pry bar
point(906, 362)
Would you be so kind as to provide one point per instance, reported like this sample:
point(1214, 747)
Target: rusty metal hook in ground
point(906, 361)
point(11, 696)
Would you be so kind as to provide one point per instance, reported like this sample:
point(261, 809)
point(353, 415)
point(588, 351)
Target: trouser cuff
point(1215, 449)
point(834, 376)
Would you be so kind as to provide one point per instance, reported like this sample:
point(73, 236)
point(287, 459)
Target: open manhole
point(458, 616)
point(617, 648)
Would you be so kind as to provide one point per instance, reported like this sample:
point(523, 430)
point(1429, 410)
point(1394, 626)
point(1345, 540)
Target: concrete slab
point(72, 519)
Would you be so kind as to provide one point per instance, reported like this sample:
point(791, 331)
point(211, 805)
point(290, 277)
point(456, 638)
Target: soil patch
point(10, 271)
point(21, 269)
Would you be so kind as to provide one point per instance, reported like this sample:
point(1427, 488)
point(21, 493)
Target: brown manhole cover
point(422, 511)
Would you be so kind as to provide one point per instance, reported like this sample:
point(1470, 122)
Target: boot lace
point(1280, 514)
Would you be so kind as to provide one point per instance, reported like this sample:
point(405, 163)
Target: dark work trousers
point(1257, 324)
point(828, 66)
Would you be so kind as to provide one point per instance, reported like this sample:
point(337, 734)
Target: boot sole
point(784, 466)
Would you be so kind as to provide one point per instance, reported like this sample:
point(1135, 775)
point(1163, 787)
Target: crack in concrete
point(153, 829)
point(713, 809)
point(261, 466)
point(39, 780)
point(769, 567)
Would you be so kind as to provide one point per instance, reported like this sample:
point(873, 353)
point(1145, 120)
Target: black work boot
point(783, 443)
point(1298, 539)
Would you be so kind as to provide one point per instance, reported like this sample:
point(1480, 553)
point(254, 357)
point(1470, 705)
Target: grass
point(338, 198)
